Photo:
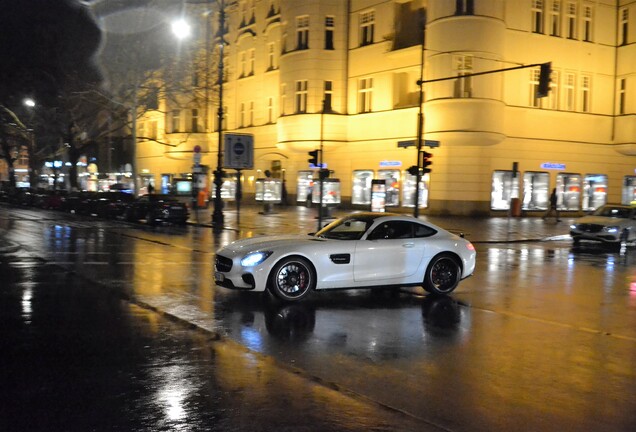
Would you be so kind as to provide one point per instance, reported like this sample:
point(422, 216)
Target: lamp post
point(182, 30)
point(30, 105)
point(217, 214)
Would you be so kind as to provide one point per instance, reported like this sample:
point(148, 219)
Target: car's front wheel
point(442, 275)
point(292, 279)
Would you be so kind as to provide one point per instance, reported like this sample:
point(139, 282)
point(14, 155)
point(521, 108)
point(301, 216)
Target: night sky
point(42, 43)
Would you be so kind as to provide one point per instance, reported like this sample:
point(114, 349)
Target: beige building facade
point(343, 76)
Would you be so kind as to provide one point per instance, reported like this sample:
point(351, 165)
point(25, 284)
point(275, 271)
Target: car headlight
point(254, 258)
point(611, 229)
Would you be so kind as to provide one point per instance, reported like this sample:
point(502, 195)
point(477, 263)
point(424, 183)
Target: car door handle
point(408, 245)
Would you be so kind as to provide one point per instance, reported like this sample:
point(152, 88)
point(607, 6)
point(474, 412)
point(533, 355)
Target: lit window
point(302, 32)
point(367, 27)
point(537, 16)
point(195, 120)
point(365, 93)
point(176, 120)
point(585, 93)
point(301, 96)
point(463, 84)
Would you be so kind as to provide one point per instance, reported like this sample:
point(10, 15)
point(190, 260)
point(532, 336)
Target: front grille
point(590, 228)
point(222, 264)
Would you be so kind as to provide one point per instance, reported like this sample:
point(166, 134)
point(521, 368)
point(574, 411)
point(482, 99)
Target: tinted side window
point(392, 230)
point(423, 231)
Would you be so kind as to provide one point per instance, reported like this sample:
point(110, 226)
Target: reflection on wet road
point(542, 337)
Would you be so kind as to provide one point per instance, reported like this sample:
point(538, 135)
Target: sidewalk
point(296, 219)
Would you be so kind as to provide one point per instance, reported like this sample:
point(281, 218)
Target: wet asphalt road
point(542, 338)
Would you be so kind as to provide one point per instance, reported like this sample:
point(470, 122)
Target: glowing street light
point(28, 102)
point(181, 29)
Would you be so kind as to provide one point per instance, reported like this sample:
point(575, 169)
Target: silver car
point(613, 224)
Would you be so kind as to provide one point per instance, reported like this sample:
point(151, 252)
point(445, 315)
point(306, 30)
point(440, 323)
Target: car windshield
point(615, 212)
point(349, 228)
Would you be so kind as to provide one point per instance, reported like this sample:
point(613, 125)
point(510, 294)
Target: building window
point(570, 20)
point(329, 29)
point(361, 192)
point(622, 95)
point(328, 96)
point(251, 117)
point(555, 18)
point(568, 90)
point(243, 60)
point(553, 94)
point(195, 120)
point(176, 120)
point(463, 84)
point(588, 16)
point(535, 190)
point(585, 93)
point(283, 99)
point(365, 93)
point(537, 16)
point(270, 110)
point(302, 32)
point(252, 60)
point(504, 188)
point(242, 115)
point(152, 129)
point(534, 88)
point(464, 7)
point(594, 191)
point(367, 27)
point(624, 27)
point(271, 58)
point(301, 96)
point(629, 190)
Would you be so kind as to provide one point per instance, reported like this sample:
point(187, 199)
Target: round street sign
point(239, 148)
point(197, 148)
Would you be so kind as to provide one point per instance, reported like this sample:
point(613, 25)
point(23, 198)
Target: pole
point(217, 215)
point(420, 132)
point(321, 190)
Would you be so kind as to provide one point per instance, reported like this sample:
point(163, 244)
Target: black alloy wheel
point(442, 275)
point(292, 279)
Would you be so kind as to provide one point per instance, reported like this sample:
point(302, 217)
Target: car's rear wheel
point(292, 279)
point(442, 275)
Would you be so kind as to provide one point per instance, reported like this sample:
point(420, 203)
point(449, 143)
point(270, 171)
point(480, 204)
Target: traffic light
point(323, 173)
point(426, 162)
point(544, 79)
point(314, 157)
point(413, 170)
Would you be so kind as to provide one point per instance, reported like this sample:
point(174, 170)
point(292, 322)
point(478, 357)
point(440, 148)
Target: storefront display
point(361, 193)
point(536, 191)
point(378, 195)
point(568, 188)
point(269, 190)
point(594, 191)
point(629, 190)
point(330, 192)
point(408, 191)
point(392, 178)
point(304, 186)
point(504, 188)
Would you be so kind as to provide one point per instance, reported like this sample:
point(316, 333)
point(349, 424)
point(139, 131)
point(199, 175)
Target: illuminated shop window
point(392, 179)
point(568, 188)
point(504, 188)
point(408, 190)
point(629, 190)
point(535, 190)
point(361, 193)
point(594, 191)
point(304, 184)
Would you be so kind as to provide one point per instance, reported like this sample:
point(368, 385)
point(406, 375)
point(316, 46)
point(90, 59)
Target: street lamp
point(182, 29)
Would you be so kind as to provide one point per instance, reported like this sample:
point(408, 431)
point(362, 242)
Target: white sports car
point(362, 250)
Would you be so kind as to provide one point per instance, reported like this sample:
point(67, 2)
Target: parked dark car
point(50, 200)
point(156, 209)
point(77, 202)
point(109, 205)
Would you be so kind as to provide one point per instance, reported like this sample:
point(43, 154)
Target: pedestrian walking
point(553, 207)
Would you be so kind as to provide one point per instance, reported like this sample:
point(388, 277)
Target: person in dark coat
point(553, 206)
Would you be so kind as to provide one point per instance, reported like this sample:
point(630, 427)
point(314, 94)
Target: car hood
point(268, 243)
point(599, 220)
